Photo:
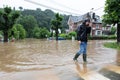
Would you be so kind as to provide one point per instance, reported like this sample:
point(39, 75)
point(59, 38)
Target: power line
point(64, 5)
point(36, 3)
point(98, 8)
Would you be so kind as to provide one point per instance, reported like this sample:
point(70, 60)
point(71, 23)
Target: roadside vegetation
point(20, 24)
point(113, 45)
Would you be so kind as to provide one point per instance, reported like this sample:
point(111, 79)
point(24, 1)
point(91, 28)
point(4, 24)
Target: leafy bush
point(113, 30)
point(112, 37)
point(68, 36)
point(63, 35)
point(102, 37)
point(36, 32)
point(40, 32)
point(1, 32)
point(44, 33)
point(17, 32)
point(1, 35)
point(73, 34)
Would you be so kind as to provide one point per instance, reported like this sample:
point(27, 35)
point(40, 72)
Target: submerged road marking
point(87, 74)
point(113, 68)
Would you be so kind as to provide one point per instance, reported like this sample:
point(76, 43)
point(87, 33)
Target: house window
point(75, 23)
point(97, 26)
point(98, 32)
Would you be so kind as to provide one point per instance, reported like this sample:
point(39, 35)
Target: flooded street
point(34, 59)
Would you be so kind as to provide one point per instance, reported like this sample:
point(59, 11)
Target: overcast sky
point(72, 7)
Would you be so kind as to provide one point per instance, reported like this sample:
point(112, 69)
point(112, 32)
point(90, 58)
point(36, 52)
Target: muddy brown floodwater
point(34, 59)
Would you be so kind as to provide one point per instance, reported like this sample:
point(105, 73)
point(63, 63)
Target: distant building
point(75, 21)
point(106, 29)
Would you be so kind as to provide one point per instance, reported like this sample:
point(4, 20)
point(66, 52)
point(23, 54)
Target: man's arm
point(88, 30)
point(79, 33)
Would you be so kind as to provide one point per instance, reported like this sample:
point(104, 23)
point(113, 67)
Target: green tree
point(112, 15)
point(13, 33)
point(18, 31)
point(1, 33)
point(7, 20)
point(113, 30)
point(41, 32)
point(56, 24)
point(21, 8)
point(29, 22)
point(43, 17)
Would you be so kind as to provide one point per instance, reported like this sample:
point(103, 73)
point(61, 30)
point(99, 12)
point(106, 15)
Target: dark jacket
point(82, 33)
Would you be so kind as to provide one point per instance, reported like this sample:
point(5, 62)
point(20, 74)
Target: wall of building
point(96, 29)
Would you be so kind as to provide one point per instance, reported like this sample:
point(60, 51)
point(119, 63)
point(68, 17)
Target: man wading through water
point(82, 36)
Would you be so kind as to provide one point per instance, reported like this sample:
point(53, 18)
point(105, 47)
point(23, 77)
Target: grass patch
point(112, 45)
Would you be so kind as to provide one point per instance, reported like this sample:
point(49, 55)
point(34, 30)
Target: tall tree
point(21, 8)
point(44, 17)
point(112, 15)
point(28, 22)
point(7, 20)
point(56, 24)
